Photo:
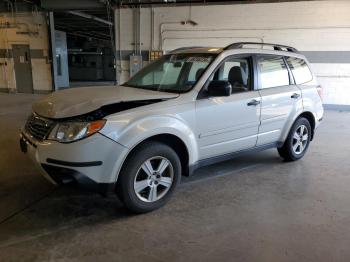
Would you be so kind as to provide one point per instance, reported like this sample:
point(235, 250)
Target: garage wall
point(30, 29)
point(320, 29)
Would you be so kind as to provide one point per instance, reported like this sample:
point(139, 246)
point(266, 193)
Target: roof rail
point(275, 46)
point(185, 48)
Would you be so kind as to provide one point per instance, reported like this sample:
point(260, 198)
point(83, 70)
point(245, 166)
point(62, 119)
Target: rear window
point(300, 70)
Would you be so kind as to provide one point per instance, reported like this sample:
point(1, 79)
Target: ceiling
point(79, 26)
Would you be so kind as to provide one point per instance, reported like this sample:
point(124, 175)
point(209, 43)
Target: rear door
point(280, 97)
point(228, 124)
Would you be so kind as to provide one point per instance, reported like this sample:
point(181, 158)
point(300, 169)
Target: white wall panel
point(309, 26)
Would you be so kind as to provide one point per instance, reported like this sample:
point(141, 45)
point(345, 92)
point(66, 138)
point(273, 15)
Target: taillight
point(319, 91)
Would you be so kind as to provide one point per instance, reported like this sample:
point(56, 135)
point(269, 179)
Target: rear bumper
point(92, 163)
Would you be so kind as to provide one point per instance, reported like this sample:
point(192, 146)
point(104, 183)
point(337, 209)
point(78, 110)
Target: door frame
point(254, 69)
point(291, 83)
point(256, 59)
point(253, 85)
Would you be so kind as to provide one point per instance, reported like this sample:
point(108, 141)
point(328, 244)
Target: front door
point(280, 98)
point(229, 124)
point(23, 68)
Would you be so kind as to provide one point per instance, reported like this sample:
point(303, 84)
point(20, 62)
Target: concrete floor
point(254, 208)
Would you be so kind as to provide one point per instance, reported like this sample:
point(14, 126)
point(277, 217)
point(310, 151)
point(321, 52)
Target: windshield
point(176, 73)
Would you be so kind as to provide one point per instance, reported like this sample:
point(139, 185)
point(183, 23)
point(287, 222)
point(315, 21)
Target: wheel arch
point(173, 141)
point(311, 118)
point(306, 114)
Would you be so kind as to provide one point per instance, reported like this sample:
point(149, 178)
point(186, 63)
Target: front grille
point(39, 127)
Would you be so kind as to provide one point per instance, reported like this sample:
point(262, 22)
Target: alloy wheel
point(300, 139)
point(154, 178)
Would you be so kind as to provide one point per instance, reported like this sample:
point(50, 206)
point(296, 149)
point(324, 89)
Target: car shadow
point(230, 167)
point(66, 207)
point(61, 208)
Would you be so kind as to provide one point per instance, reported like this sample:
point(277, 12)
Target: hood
point(78, 101)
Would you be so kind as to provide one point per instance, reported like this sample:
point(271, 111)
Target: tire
point(297, 142)
point(149, 177)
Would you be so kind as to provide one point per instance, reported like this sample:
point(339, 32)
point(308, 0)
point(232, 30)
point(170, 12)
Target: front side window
point(273, 72)
point(235, 70)
point(300, 70)
point(177, 73)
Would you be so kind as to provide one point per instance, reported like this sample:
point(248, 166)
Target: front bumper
point(93, 162)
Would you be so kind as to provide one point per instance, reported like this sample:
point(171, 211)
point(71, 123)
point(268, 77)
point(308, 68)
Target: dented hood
point(77, 101)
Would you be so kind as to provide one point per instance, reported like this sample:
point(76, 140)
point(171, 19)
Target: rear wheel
point(149, 177)
point(298, 140)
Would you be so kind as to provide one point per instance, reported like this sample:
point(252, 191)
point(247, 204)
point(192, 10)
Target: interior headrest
point(235, 76)
point(199, 73)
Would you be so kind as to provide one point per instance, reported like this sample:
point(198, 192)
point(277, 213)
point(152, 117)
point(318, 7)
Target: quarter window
point(273, 72)
point(300, 70)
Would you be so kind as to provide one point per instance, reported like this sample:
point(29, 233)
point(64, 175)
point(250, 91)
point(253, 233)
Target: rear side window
point(300, 70)
point(273, 72)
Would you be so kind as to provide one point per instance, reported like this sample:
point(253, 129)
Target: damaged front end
point(70, 129)
point(111, 109)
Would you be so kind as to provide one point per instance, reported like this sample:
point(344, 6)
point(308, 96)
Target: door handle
point(295, 95)
point(254, 102)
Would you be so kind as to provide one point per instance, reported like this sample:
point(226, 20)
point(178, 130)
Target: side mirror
point(219, 88)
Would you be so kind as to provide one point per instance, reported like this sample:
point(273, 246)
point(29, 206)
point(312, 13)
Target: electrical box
point(135, 64)
point(155, 54)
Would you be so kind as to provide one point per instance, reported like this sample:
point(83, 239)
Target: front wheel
point(298, 140)
point(149, 177)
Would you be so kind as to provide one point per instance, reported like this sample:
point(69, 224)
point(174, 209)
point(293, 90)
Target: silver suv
point(192, 107)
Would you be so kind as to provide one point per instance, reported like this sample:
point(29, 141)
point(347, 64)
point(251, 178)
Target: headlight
point(66, 132)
